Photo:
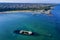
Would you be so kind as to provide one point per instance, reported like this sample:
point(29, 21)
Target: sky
point(31, 1)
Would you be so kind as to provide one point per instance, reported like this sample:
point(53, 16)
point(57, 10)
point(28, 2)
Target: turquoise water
point(41, 24)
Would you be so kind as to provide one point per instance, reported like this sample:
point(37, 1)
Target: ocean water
point(46, 27)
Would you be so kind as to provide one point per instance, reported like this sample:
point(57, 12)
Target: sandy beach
point(33, 12)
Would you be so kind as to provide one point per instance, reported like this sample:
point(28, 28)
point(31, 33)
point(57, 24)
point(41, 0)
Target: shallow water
point(46, 27)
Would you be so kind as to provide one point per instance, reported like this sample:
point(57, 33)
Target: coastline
point(16, 11)
point(34, 12)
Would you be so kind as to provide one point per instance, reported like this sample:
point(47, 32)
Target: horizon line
point(27, 2)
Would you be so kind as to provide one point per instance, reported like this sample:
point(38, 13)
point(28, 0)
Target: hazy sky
point(31, 1)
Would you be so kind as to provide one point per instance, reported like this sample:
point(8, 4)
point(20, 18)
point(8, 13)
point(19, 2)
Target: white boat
point(25, 32)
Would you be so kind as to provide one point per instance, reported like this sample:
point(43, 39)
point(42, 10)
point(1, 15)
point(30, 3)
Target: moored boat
point(25, 32)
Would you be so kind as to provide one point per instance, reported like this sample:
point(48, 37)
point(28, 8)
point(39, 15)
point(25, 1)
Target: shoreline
point(17, 11)
point(34, 12)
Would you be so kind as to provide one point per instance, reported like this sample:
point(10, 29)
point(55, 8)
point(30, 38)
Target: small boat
point(25, 32)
